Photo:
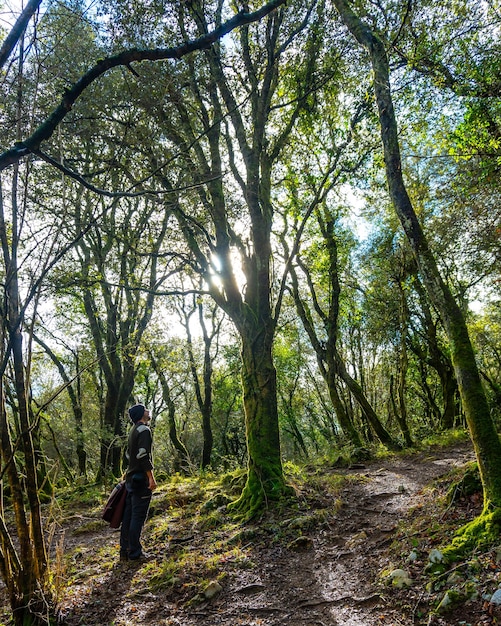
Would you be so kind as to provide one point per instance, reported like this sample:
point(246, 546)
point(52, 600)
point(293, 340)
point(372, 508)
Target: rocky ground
point(323, 563)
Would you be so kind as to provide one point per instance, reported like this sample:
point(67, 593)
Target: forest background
point(276, 226)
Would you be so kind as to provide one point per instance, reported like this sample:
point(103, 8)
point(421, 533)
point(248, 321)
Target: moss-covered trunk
point(259, 382)
point(370, 414)
point(484, 436)
point(342, 415)
point(23, 557)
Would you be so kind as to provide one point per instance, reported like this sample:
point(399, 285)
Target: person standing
point(140, 484)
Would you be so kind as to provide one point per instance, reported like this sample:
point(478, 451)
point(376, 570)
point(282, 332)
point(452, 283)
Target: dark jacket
point(139, 450)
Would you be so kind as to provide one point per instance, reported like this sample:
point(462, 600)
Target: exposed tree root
point(257, 495)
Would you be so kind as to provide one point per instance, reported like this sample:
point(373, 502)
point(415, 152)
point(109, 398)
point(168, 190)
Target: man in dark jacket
point(140, 483)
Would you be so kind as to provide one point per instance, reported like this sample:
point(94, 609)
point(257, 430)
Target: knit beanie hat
point(136, 412)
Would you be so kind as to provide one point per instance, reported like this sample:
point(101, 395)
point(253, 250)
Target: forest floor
point(321, 562)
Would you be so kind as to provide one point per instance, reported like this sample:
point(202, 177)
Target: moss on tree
point(261, 489)
point(481, 532)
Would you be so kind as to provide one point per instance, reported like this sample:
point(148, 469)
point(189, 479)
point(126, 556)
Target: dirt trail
point(332, 582)
point(328, 579)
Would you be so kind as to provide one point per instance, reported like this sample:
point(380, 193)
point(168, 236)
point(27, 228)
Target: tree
point(73, 387)
point(331, 363)
point(17, 31)
point(485, 439)
point(227, 223)
point(182, 462)
point(203, 384)
point(117, 267)
point(24, 568)
point(25, 572)
point(32, 144)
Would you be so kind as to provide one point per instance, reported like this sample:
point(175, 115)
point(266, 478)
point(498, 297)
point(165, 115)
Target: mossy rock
point(244, 535)
point(211, 521)
point(303, 522)
point(217, 501)
point(301, 544)
point(469, 484)
point(234, 480)
point(449, 601)
point(360, 454)
point(435, 569)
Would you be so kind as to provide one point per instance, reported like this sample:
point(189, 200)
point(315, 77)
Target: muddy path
point(327, 577)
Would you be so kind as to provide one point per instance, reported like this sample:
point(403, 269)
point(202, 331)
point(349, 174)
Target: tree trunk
point(329, 361)
point(484, 436)
point(117, 396)
point(28, 588)
point(206, 406)
point(254, 139)
point(16, 564)
point(343, 417)
point(203, 392)
point(403, 366)
point(441, 362)
point(381, 433)
point(182, 462)
point(31, 483)
point(265, 479)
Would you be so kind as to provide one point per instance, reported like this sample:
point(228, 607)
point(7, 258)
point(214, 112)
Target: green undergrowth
point(450, 548)
point(481, 533)
point(194, 538)
point(445, 439)
point(220, 542)
point(347, 455)
point(82, 496)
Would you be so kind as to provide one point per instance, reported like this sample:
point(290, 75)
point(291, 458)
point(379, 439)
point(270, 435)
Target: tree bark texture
point(259, 382)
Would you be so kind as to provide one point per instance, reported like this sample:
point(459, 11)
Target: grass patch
point(445, 439)
point(83, 496)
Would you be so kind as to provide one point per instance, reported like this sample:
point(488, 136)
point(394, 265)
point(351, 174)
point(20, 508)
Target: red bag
point(113, 511)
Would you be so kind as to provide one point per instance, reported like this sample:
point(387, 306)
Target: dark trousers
point(137, 504)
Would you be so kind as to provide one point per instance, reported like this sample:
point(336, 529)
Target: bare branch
point(17, 30)
point(116, 194)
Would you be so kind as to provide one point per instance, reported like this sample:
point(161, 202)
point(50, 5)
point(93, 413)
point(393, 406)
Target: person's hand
point(152, 485)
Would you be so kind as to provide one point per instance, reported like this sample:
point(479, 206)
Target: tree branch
point(115, 194)
point(125, 58)
point(17, 30)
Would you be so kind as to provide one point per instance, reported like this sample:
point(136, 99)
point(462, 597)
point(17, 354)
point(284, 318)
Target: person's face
point(146, 415)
